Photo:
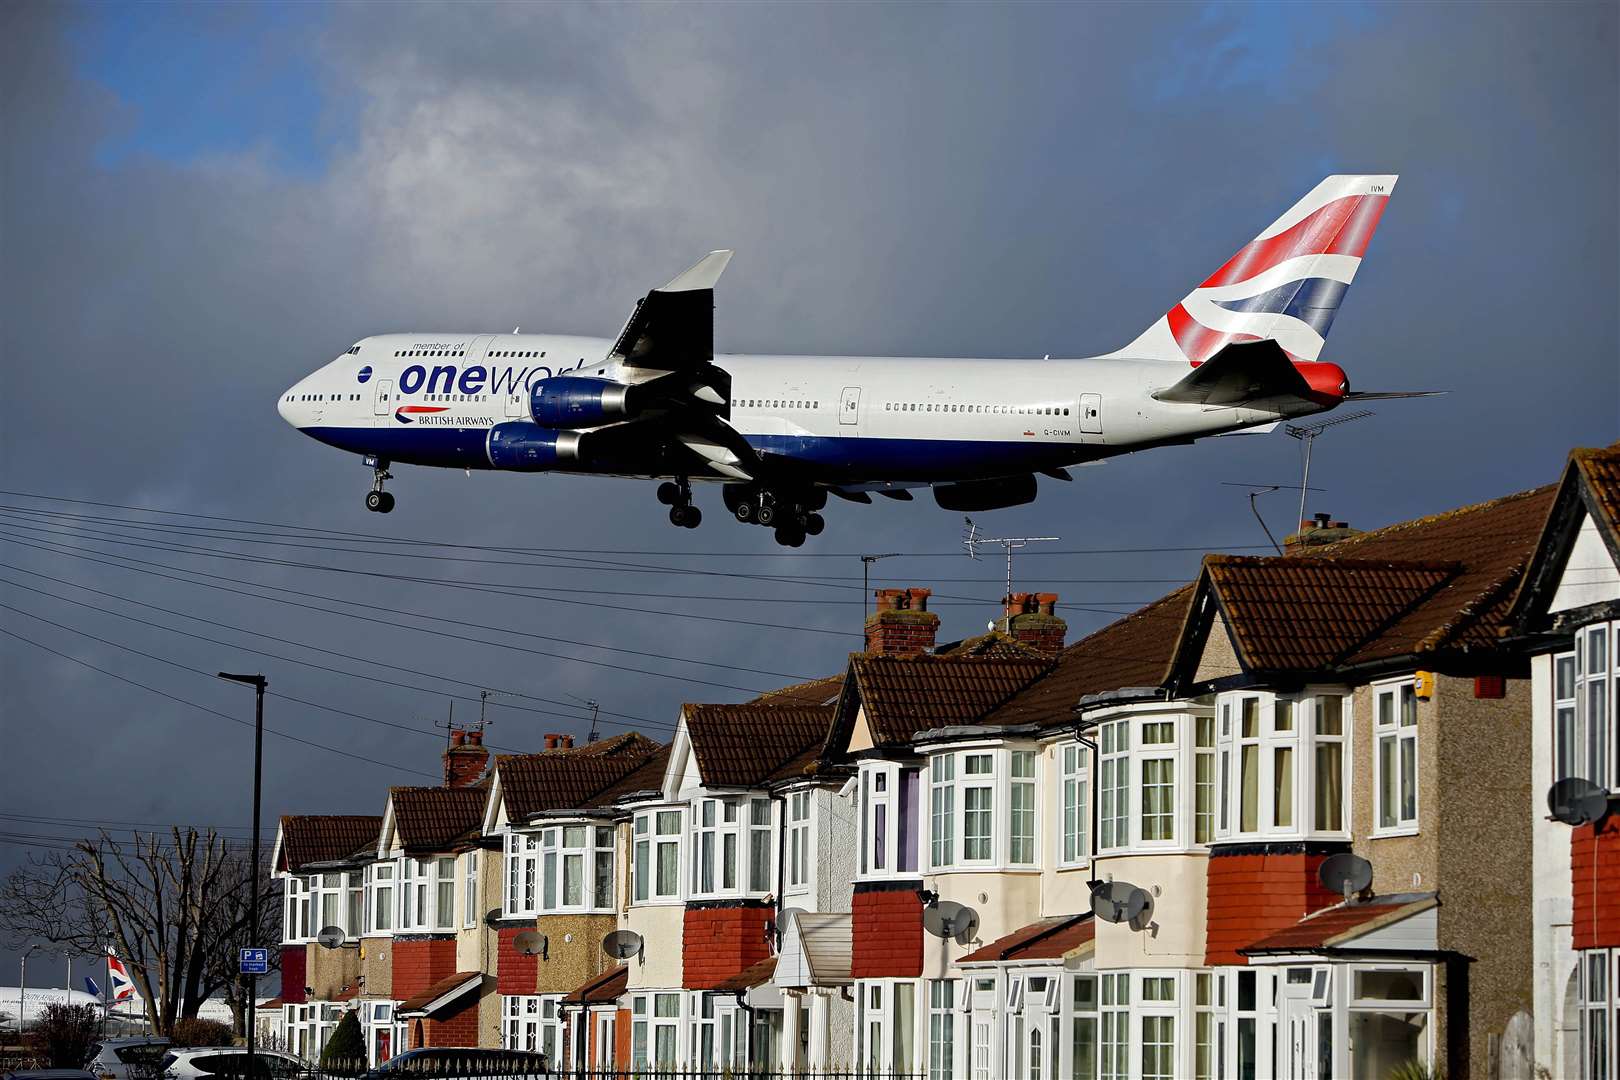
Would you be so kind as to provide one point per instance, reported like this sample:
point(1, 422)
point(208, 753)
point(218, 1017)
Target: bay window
point(942, 809)
point(380, 898)
point(1158, 772)
point(798, 839)
point(1116, 1026)
point(1113, 784)
point(941, 1029)
point(444, 899)
point(656, 856)
point(885, 1027)
point(1395, 763)
point(1598, 974)
point(888, 833)
point(1389, 1017)
point(427, 893)
point(469, 901)
point(1597, 681)
point(1567, 741)
point(1073, 775)
point(1021, 807)
point(355, 924)
point(1203, 779)
point(1082, 1027)
point(575, 874)
point(732, 846)
point(1327, 813)
point(967, 791)
point(532, 1023)
point(295, 910)
point(978, 806)
point(329, 900)
point(1279, 762)
point(522, 893)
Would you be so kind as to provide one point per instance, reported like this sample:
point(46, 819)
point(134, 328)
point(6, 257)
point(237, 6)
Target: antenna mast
point(866, 579)
point(1306, 434)
point(1009, 544)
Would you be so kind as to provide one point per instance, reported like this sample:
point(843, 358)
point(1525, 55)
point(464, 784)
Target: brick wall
point(1594, 871)
point(1253, 893)
point(292, 974)
point(721, 940)
point(419, 962)
point(886, 926)
point(459, 1028)
point(515, 973)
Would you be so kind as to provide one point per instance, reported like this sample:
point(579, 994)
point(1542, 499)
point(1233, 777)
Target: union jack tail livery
point(1285, 285)
point(119, 985)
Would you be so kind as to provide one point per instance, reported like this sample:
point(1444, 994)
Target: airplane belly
point(448, 447)
point(854, 460)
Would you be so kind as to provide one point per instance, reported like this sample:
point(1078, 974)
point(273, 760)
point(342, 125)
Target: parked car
point(461, 1063)
point(229, 1063)
point(138, 1057)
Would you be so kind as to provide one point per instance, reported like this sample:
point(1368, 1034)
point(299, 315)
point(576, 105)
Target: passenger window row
point(999, 410)
point(323, 397)
point(530, 354)
point(757, 403)
point(430, 352)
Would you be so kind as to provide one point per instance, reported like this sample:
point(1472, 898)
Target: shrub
point(194, 1031)
point(66, 1033)
point(1416, 1070)
point(345, 1053)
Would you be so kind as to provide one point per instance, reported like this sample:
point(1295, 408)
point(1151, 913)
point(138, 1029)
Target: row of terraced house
point(892, 869)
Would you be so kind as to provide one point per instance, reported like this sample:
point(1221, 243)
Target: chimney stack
point(902, 625)
point(552, 739)
point(567, 742)
point(1032, 618)
point(464, 762)
point(1321, 529)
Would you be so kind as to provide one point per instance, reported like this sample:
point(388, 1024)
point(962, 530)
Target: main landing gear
point(379, 501)
point(677, 496)
point(792, 515)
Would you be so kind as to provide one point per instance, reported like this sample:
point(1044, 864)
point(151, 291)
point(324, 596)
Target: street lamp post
point(258, 682)
point(22, 989)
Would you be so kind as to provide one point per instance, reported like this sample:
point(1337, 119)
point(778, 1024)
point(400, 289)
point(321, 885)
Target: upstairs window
point(380, 898)
point(470, 900)
point(1113, 783)
point(1597, 680)
point(889, 808)
point(577, 865)
point(1567, 742)
point(1279, 763)
point(981, 808)
point(1395, 735)
point(656, 856)
point(978, 806)
point(1073, 775)
point(1158, 770)
point(942, 809)
point(522, 894)
point(1021, 808)
point(798, 839)
point(1204, 779)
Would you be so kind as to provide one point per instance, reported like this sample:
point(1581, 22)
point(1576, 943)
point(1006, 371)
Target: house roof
point(748, 745)
point(1045, 939)
point(822, 691)
point(1341, 924)
point(648, 776)
point(1590, 487)
point(749, 977)
point(902, 695)
point(436, 818)
point(1309, 614)
point(1600, 468)
point(319, 838)
point(602, 989)
point(569, 779)
point(441, 993)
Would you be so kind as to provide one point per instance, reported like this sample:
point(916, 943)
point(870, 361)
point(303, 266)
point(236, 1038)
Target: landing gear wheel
point(678, 515)
point(765, 515)
point(788, 536)
point(374, 501)
point(744, 512)
point(387, 506)
point(379, 501)
point(813, 524)
point(669, 493)
point(694, 517)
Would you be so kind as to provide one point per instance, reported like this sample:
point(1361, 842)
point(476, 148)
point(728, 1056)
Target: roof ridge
point(1337, 561)
point(1326, 550)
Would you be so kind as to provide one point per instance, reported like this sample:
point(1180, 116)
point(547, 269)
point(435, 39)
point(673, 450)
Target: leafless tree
point(174, 907)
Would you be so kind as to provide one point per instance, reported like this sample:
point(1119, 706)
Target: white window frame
point(532, 1022)
point(586, 841)
point(1569, 741)
point(380, 902)
point(646, 1023)
point(1597, 683)
point(942, 1008)
point(1598, 994)
point(942, 811)
point(1165, 755)
point(1114, 785)
point(1284, 742)
point(881, 806)
point(655, 831)
point(470, 902)
point(1398, 732)
point(879, 1030)
point(800, 838)
point(1074, 782)
point(949, 789)
point(722, 828)
point(520, 896)
point(1023, 823)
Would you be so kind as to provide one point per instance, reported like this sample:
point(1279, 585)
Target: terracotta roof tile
point(1337, 924)
point(318, 838)
point(1601, 471)
point(746, 745)
point(748, 978)
point(569, 779)
point(436, 818)
point(601, 989)
point(1308, 614)
point(823, 691)
point(648, 776)
point(905, 695)
point(1047, 939)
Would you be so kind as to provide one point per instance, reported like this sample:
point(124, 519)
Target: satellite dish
point(529, 943)
point(1119, 902)
point(622, 944)
point(331, 937)
point(1575, 801)
point(948, 919)
point(1345, 874)
point(492, 918)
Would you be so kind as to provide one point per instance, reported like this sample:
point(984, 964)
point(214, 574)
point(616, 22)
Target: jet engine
point(572, 401)
point(986, 494)
point(526, 447)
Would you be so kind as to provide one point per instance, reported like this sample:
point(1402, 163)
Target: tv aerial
point(1009, 544)
point(1345, 874)
point(530, 943)
point(952, 921)
point(1575, 801)
point(623, 944)
point(333, 937)
point(1122, 902)
point(1307, 435)
point(1255, 491)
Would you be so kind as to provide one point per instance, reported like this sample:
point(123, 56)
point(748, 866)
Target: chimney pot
point(551, 740)
point(567, 742)
point(1032, 618)
point(475, 738)
point(457, 736)
point(465, 759)
point(902, 625)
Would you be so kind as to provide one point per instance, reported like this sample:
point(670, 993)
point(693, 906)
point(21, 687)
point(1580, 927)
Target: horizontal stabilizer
point(1240, 372)
point(1390, 395)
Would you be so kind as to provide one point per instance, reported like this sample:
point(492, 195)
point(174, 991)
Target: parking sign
point(255, 961)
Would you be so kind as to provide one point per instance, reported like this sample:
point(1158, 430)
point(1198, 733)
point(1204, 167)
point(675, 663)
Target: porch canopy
point(441, 995)
point(1046, 941)
point(1403, 924)
point(817, 947)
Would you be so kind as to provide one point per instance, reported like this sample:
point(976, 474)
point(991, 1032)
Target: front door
point(1297, 1051)
point(849, 405)
point(1091, 414)
point(604, 1042)
point(383, 404)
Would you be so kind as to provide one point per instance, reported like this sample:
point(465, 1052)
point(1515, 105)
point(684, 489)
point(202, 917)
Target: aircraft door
point(1091, 414)
point(849, 405)
point(382, 405)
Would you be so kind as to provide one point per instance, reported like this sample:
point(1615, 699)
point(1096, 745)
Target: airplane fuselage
point(857, 422)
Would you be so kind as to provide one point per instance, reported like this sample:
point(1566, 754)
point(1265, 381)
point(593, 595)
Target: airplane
point(1238, 354)
point(33, 1001)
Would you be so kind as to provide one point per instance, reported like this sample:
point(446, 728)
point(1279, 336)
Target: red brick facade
point(1594, 865)
point(459, 1028)
point(721, 941)
point(887, 932)
point(515, 973)
point(292, 974)
point(1255, 894)
point(902, 625)
point(421, 962)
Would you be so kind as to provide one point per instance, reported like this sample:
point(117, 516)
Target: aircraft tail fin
point(1285, 285)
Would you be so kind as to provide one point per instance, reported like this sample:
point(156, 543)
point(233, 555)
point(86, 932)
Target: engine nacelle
point(526, 447)
point(986, 494)
point(570, 401)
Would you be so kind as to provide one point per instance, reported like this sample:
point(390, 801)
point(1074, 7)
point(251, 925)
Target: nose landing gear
point(678, 497)
point(379, 501)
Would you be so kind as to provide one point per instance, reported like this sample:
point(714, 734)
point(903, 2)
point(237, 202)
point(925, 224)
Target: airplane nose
point(284, 406)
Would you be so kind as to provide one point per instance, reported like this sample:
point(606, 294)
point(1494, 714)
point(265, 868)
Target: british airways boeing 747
point(780, 433)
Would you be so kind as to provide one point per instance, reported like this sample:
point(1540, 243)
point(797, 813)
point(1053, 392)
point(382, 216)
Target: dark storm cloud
point(943, 180)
